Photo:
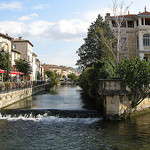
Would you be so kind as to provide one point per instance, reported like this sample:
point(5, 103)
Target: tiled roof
point(6, 36)
point(144, 13)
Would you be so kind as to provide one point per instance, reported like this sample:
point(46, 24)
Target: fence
point(6, 87)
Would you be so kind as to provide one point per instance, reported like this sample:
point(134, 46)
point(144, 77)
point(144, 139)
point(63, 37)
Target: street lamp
point(1, 43)
point(41, 72)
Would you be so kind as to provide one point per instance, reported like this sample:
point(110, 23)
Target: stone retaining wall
point(117, 100)
point(7, 99)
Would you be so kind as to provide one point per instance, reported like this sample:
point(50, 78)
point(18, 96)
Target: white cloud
point(41, 6)
point(39, 28)
point(28, 17)
point(11, 6)
point(93, 14)
point(12, 27)
point(62, 30)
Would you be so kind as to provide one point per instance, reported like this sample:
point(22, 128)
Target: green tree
point(89, 79)
point(23, 66)
point(95, 47)
point(73, 77)
point(136, 75)
point(4, 63)
point(53, 77)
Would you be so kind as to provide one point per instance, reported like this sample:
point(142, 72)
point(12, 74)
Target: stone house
point(135, 34)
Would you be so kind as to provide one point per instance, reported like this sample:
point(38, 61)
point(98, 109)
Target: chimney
point(6, 34)
point(20, 38)
point(107, 15)
point(128, 12)
point(145, 8)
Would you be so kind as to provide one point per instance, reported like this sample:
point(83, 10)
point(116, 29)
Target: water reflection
point(66, 97)
point(26, 104)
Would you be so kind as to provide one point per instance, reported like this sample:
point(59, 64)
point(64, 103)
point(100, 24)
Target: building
point(26, 49)
point(135, 34)
point(64, 71)
point(15, 56)
point(6, 44)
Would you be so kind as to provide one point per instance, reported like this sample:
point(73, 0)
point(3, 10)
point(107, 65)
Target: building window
point(137, 22)
point(146, 40)
point(123, 43)
point(130, 24)
point(14, 46)
point(147, 21)
point(142, 20)
point(114, 24)
point(137, 42)
point(145, 58)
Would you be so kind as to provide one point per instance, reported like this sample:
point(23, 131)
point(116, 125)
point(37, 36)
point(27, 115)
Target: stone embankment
point(9, 98)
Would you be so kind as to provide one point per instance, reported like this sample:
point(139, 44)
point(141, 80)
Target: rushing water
point(53, 133)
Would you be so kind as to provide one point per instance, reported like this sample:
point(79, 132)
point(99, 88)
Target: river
point(45, 132)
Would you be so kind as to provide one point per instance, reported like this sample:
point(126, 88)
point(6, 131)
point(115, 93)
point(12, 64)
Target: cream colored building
point(26, 49)
point(15, 56)
point(6, 44)
point(135, 34)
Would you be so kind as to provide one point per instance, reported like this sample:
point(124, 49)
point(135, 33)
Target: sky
point(56, 28)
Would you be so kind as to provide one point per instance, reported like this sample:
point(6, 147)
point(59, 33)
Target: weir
point(51, 112)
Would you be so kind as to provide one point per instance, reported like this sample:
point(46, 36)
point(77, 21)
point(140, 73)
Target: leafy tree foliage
point(89, 79)
point(73, 77)
point(95, 46)
point(53, 77)
point(4, 63)
point(23, 66)
point(136, 73)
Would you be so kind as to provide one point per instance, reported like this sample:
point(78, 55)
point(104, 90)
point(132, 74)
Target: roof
point(130, 16)
point(21, 40)
point(6, 36)
point(33, 54)
point(144, 13)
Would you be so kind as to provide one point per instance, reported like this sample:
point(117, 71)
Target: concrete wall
point(12, 97)
point(117, 100)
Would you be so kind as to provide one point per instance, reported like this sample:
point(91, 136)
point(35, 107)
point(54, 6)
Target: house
point(26, 49)
point(15, 56)
point(135, 34)
point(6, 44)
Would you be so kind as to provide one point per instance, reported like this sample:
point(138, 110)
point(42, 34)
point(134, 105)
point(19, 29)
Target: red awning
point(16, 72)
point(13, 72)
point(2, 71)
point(21, 73)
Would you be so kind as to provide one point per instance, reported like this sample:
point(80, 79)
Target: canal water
point(45, 132)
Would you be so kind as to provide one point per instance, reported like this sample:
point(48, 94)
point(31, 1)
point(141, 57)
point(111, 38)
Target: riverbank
point(9, 98)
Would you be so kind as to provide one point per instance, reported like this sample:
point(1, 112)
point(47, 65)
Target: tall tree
point(93, 49)
point(23, 66)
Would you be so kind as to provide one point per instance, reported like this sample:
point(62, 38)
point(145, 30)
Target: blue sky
point(56, 27)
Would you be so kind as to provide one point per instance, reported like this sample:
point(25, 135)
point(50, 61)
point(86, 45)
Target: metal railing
point(6, 87)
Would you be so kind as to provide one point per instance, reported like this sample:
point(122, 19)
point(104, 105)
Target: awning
point(16, 72)
point(21, 73)
point(2, 71)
